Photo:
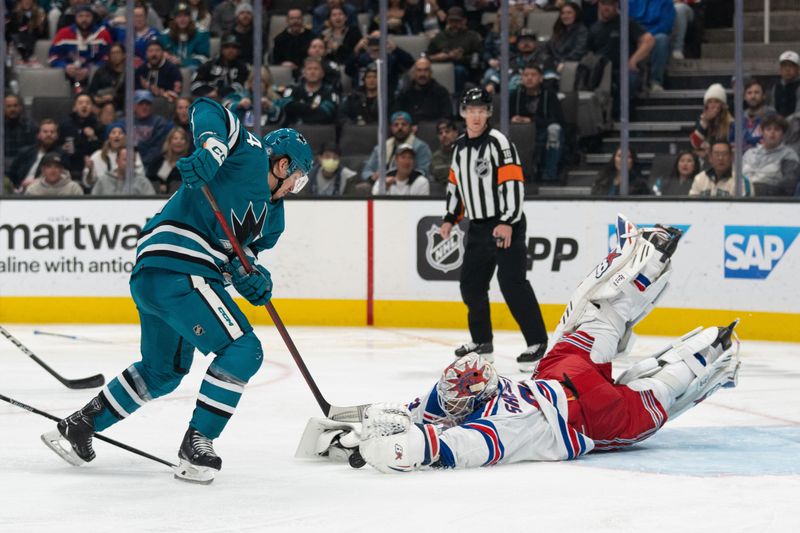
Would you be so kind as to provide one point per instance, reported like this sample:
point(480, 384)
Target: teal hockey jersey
point(185, 236)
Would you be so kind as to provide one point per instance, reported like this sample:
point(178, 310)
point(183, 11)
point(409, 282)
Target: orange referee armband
point(509, 173)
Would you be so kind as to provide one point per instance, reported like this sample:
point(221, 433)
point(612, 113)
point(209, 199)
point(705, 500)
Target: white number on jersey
point(252, 140)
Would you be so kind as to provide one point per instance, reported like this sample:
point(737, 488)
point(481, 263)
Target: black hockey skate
point(527, 360)
point(198, 460)
point(483, 348)
point(664, 238)
point(72, 438)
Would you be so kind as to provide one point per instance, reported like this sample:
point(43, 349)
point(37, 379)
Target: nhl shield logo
point(445, 255)
point(439, 259)
point(482, 168)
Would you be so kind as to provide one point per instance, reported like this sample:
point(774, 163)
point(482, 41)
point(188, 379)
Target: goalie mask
point(465, 384)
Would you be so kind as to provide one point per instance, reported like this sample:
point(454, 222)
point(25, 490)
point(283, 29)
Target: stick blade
point(91, 382)
point(354, 413)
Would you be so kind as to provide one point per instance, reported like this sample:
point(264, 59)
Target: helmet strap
point(273, 162)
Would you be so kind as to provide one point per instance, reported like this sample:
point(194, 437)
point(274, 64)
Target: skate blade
point(61, 447)
point(528, 368)
point(186, 471)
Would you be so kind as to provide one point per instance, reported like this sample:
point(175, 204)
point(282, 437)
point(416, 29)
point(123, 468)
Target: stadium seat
point(426, 131)
point(35, 82)
point(281, 75)
point(416, 45)
point(523, 136)
point(41, 51)
point(445, 75)
point(358, 140)
point(317, 134)
point(187, 75)
point(568, 76)
point(662, 166)
point(542, 23)
point(54, 107)
point(363, 22)
point(213, 47)
point(594, 107)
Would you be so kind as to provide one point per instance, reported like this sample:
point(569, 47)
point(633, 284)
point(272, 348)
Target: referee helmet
point(475, 97)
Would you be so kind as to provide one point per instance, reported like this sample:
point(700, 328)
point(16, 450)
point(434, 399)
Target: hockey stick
point(96, 435)
point(71, 337)
point(353, 413)
point(82, 383)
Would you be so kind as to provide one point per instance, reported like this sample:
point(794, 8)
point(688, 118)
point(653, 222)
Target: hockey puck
point(355, 460)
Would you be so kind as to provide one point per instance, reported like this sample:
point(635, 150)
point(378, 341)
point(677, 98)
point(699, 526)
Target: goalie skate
point(721, 373)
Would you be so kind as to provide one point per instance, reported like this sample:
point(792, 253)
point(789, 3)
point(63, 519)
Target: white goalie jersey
point(524, 421)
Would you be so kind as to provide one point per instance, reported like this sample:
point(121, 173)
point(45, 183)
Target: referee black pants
point(480, 259)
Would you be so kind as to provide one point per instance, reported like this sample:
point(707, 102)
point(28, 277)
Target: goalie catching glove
point(255, 287)
point(391, 443)
point(200, 168)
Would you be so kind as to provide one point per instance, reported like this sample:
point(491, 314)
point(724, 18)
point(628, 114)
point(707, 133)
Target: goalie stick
point(111, 441)
point(353, 413)
point(81, 383)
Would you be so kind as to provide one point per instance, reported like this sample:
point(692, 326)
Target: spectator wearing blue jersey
point(657, 17)
point(185, 44)
point(143, 34)
point(79, 47)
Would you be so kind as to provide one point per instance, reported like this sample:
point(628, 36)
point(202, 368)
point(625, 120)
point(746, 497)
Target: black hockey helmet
point(476, 96)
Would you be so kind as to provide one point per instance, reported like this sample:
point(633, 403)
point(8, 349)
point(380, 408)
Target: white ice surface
point(730, 464)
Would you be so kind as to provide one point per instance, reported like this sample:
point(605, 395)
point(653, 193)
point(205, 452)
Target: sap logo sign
point(612, 232)
point(753, 252)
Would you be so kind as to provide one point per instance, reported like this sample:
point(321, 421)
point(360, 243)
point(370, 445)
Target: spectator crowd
point(320, 76)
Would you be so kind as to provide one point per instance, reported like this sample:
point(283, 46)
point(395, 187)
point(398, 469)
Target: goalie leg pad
point(690, 371)
point(622, 290)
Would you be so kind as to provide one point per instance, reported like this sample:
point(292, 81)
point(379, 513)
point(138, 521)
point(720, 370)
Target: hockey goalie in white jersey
point(571, 406)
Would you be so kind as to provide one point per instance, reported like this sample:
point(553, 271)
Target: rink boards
point(359, 262)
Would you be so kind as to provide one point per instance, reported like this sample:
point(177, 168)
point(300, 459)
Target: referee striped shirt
point(485, 180)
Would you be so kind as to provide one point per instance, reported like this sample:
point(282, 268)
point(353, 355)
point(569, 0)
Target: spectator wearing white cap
point(785, 95)
point(715, 123)
point(404, 179)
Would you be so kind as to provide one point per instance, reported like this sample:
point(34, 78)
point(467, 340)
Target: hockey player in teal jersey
point(183, 261)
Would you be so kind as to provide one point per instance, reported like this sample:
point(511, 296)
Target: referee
point(486, 184)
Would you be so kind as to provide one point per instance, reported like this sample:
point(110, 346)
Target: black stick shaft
point(80, 383)
point(237, 248)
point(111, 441)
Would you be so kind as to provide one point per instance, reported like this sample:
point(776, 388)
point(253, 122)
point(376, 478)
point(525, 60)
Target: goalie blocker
point(572, 405)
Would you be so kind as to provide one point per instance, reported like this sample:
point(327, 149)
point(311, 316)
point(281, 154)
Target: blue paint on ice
point(709, 451)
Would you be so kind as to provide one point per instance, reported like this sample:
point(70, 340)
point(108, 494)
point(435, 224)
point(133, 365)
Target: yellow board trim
point(755, 325)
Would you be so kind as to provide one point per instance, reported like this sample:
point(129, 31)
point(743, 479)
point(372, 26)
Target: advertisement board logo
point(753, 252)
point(439, 259)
